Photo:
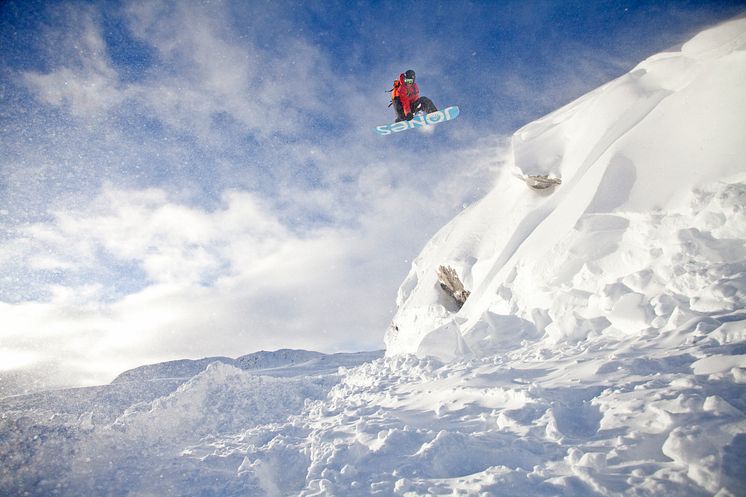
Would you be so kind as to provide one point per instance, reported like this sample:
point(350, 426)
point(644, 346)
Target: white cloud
point(16, 359)
point(89, 86)
point(171, 241)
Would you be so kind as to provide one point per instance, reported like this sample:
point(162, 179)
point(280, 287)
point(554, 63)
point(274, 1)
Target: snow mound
point(154, 432)
point(221, 399)
point(645, 232)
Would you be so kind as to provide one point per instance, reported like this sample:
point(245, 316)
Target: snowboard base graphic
point(420, 121)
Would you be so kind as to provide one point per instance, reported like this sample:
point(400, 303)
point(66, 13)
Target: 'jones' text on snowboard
point(419, 121)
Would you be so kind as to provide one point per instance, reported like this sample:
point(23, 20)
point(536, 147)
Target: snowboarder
point(405, 96)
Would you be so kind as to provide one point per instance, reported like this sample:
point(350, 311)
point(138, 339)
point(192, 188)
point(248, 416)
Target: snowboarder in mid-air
point(405, 96)
point(412, 110)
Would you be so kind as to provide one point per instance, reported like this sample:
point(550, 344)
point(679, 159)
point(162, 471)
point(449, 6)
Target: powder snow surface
point(602, 351)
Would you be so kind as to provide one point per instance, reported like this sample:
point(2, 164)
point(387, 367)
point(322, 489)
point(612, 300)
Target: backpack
point(394, 91)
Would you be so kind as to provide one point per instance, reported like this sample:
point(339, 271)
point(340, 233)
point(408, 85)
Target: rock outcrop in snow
point(645, 232)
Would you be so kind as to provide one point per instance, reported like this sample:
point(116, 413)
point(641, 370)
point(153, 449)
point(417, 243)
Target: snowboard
point(420, 121)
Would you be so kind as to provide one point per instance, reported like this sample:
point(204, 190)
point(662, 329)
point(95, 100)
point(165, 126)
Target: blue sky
point(181, 179)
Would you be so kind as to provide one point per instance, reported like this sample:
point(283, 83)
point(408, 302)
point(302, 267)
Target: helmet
point(409, 74)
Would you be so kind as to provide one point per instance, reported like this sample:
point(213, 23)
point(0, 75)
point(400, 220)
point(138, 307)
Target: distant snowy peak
point(278, 358)
point(180, 369)
point(645, 230)
point(283, 362)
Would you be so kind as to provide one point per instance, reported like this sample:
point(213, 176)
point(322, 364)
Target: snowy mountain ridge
point(602, 351)
point(290, 362)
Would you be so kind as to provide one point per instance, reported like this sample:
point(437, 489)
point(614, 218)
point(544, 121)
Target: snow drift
point(645, 232)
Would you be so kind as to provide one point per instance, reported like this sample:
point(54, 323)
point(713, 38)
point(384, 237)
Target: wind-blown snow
point(602, 350)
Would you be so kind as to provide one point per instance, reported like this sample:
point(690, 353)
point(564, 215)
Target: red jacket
point(407, 94)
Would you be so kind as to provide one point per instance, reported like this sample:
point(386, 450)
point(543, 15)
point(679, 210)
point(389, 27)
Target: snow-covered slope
point(136, 434)
point(602, 351)
point(645, 233)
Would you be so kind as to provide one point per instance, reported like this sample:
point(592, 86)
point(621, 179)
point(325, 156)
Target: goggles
point(409, 81)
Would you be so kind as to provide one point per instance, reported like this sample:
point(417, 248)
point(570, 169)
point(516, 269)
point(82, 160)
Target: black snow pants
point(423, 104)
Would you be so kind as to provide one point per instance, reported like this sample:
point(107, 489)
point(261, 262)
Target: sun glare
point(15, 359)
